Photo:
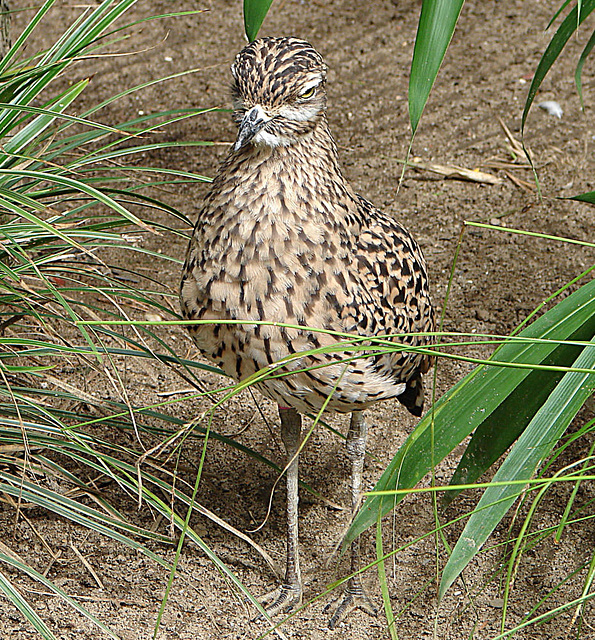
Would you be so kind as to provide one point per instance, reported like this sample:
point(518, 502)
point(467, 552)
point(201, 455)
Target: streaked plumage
point(282, 237)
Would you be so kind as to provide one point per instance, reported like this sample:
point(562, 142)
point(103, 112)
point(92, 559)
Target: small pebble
point(482, 315)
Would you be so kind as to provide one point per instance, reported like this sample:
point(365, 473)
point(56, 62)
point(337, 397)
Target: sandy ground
point(499, 279)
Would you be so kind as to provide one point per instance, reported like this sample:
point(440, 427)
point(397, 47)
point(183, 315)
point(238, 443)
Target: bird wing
point(393, 298)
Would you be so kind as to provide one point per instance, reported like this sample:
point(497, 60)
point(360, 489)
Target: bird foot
point(354, 597)
point(282, 600)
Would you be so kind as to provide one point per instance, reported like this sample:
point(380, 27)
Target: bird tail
point(413, 396)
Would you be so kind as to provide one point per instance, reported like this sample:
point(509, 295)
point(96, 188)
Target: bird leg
point(355, 596)
point(289, 595)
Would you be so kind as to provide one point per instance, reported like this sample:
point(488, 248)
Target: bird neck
point(311, 156)
point(314, 151)
point(298, 180)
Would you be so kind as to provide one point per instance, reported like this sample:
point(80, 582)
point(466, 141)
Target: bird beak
point(252, 122)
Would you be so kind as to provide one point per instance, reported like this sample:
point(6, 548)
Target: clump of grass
point(67, 217)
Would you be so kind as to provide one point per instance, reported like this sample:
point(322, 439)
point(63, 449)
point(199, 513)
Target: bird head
point(278, 91)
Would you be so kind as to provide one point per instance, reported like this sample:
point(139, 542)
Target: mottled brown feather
point(282, 237)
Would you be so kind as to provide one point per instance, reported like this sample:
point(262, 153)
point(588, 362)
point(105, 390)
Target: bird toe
point(281, 600)
point(355, 597)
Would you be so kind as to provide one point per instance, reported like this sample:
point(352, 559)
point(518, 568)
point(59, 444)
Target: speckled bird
point(283, 238)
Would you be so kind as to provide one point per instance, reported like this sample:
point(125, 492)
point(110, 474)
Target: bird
point(286, 262)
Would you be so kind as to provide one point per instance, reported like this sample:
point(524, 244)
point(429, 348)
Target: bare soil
point(499, 279)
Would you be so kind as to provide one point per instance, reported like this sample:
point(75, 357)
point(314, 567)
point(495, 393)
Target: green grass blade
point(587, 588)
point(532, 447)
point(13, 595)
point(78, 512)
point(255, 12)
point(15, 209)
point(493, 437)
point(471, 401)
point(79, 186)
point(94, 158)
point(25, 34)
point(388, 609)
point(88, 30)
point(17, 564)
point(584, 197)
point(139, 87)
point(436, 26)
point(558, 12)
point(55, 111)
point(28, 134)
point(557, 43)
point(135, 128)
point(578, 74)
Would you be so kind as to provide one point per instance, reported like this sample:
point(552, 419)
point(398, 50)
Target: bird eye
point(309, 93)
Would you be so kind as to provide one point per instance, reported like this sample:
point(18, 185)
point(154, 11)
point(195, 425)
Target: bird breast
point(265, 240)
point(282, 240)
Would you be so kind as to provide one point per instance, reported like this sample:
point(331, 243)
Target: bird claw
point(355, 597)
point(281, 600)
